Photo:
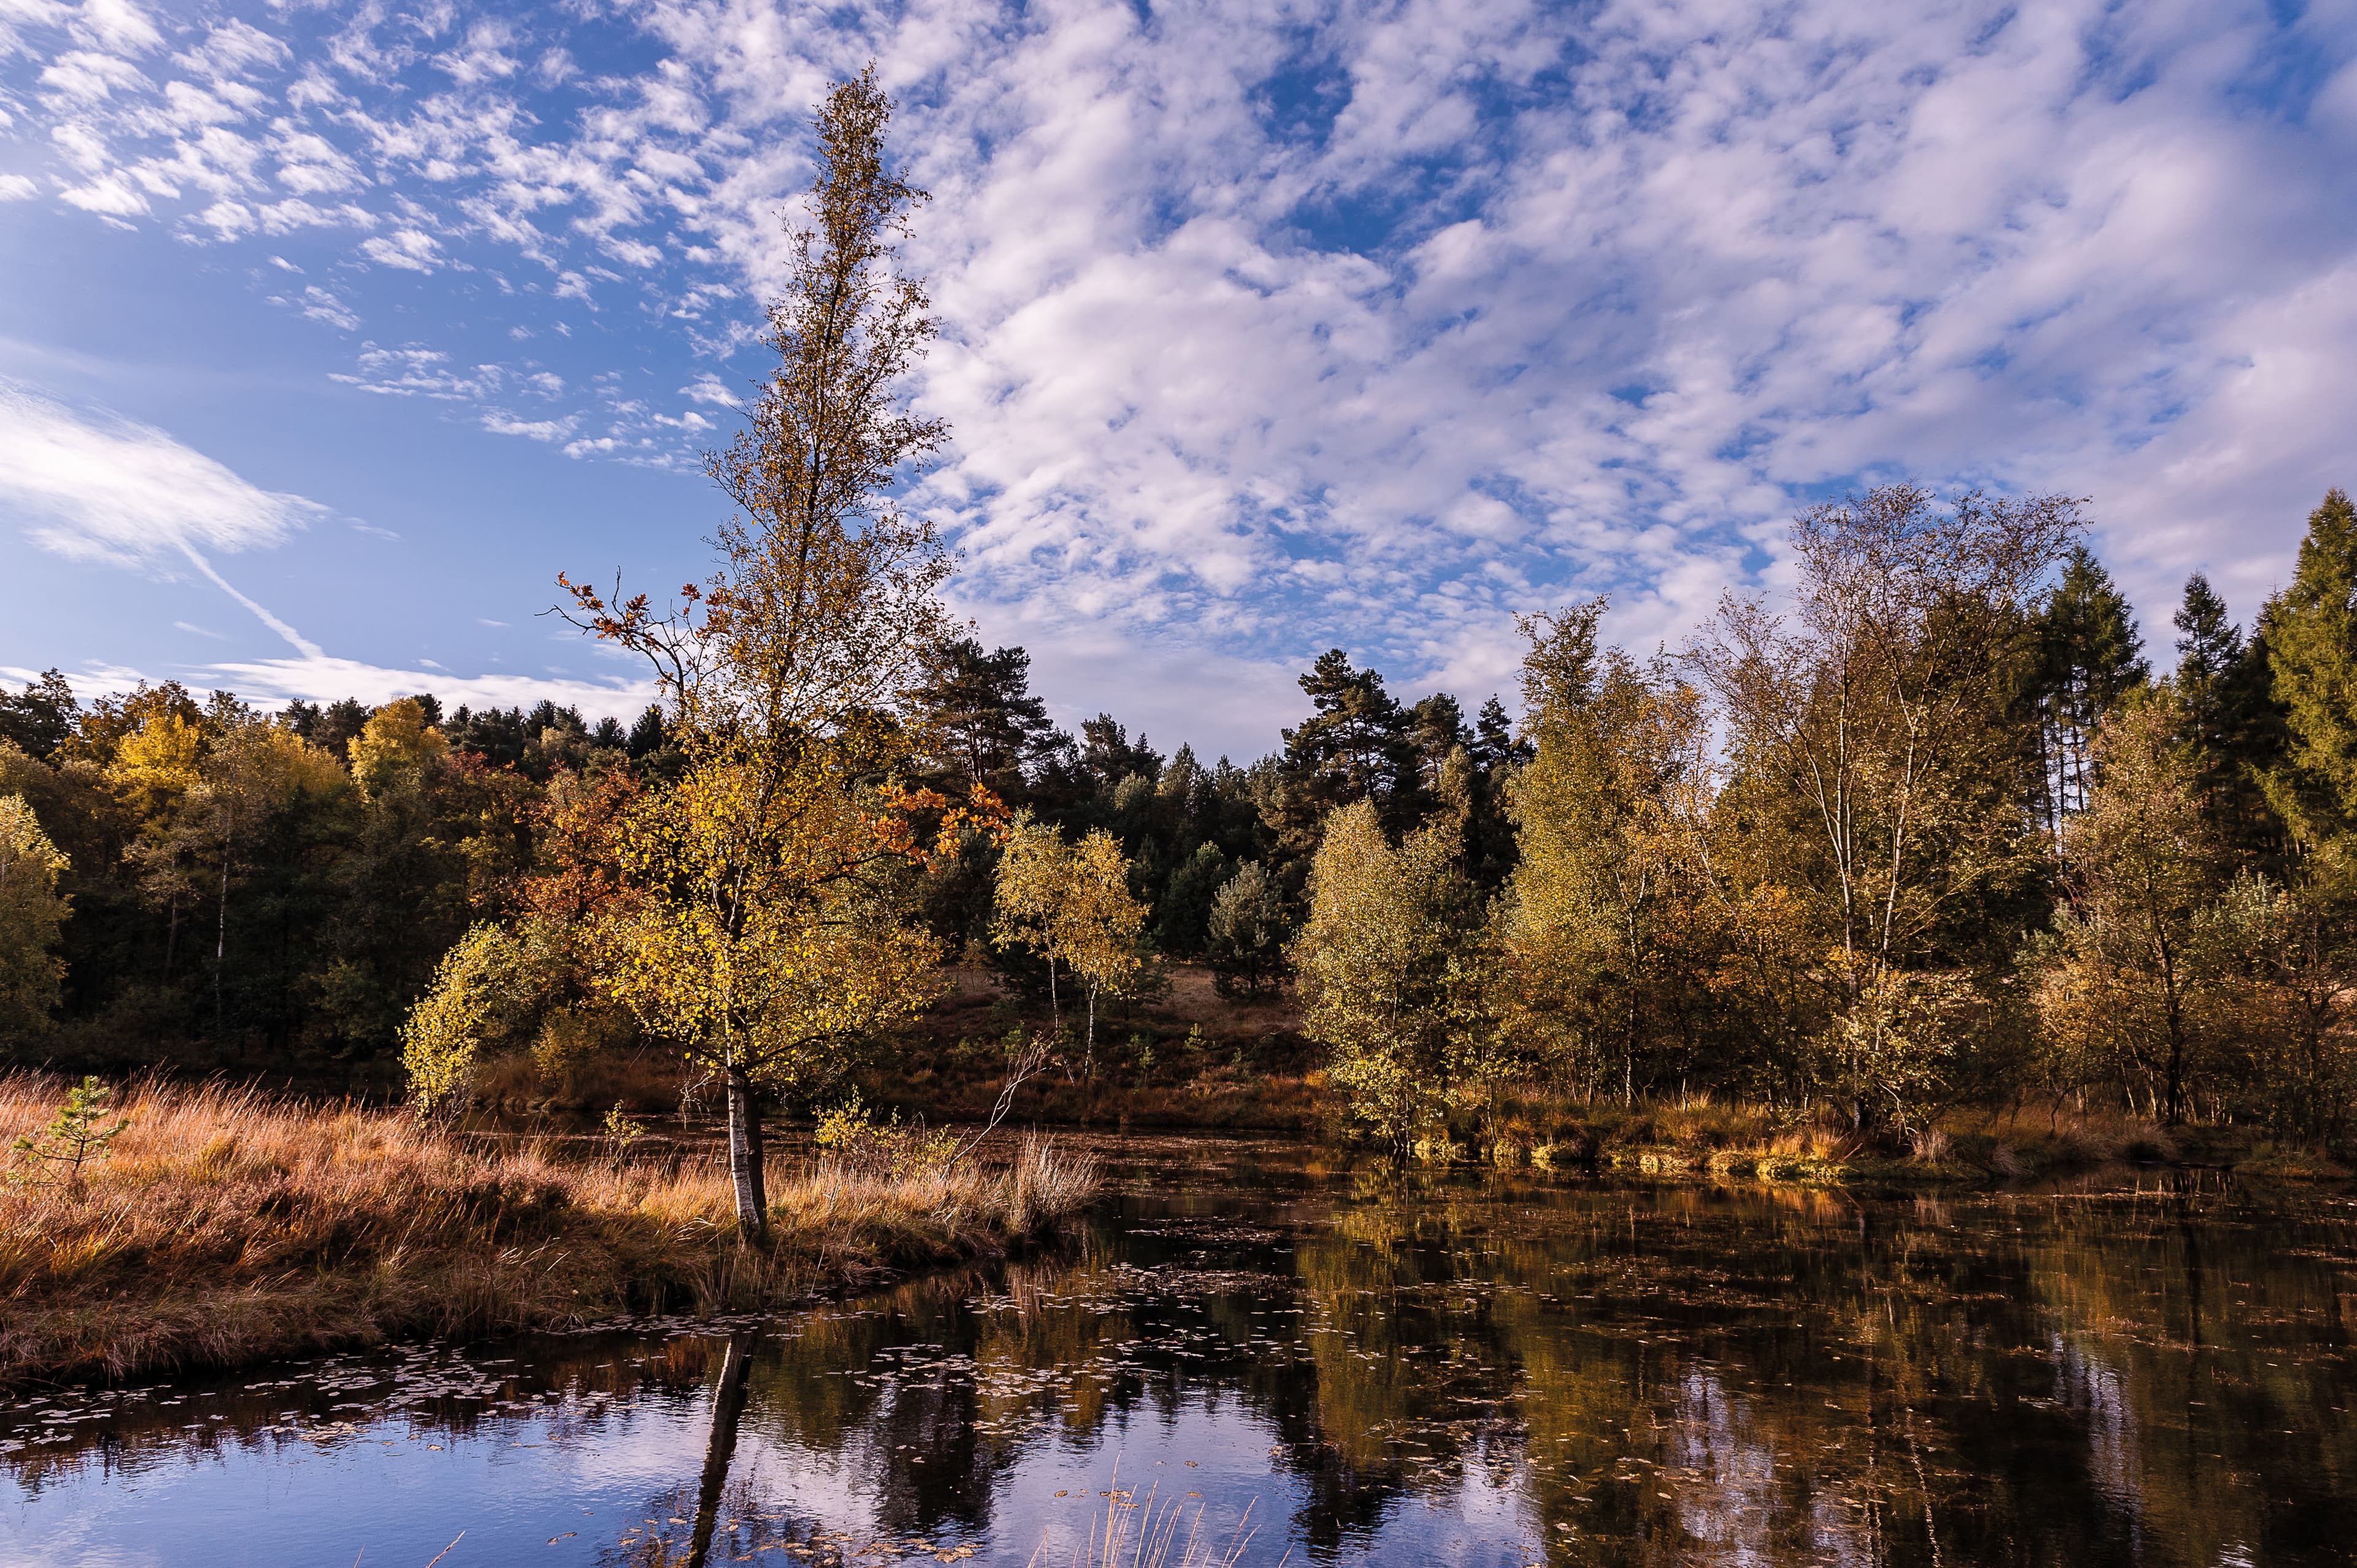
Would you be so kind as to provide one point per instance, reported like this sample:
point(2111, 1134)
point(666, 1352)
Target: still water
point(1320, 1364)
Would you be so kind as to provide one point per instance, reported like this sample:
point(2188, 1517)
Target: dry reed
point(228, 1226)
point(1143, 1532)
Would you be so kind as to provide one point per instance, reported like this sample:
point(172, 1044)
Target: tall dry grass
point(229, 1226)
point(1151, 1531)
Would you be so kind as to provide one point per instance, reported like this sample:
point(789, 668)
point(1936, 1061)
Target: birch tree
point(1872, 726)
point(764, 931)
point(1072, 904)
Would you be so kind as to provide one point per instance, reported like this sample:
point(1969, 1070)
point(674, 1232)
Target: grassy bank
point(1701, 1136)
point(228, 1227)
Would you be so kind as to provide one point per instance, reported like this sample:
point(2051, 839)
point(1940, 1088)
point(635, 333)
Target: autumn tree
point(765, 931)
point(480, 988)
point(31, 912)
point(253, 772)
point(1382, 959)
point(1870, 730)
point(2127, 988)
point(1072, 904)
point(152, 769)
point(1600, 913)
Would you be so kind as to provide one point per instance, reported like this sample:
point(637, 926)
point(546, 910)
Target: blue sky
point(331, 333)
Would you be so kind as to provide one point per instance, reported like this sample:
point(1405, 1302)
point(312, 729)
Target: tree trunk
point(745, 1156)
point(720, 1445)
point(220, 950)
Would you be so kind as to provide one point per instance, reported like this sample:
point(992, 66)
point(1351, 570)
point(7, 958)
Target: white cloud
point(235, 48)
point(17, 188)
point(327, 679)
point(503, 424)
point(117, 24)
point(414, 371)
point(1271, 326)
point(320, 305)
point(85, 76)
point(94, 486)
point(411, 249)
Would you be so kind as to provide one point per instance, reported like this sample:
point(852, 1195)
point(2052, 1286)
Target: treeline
point(1936, 833)
point(1931, 831)
point(236, 888)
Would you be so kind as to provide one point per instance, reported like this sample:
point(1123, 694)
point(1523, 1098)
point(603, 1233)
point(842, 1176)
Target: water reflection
point(1475, 1370)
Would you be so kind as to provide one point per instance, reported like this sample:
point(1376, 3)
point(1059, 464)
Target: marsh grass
point(1151, 1531)
point(228, 1225)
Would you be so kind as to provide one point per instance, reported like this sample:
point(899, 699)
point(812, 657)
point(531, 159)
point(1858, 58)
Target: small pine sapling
point(78, 1136)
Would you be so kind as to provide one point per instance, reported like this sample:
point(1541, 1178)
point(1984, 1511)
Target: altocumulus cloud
point(1267, 324)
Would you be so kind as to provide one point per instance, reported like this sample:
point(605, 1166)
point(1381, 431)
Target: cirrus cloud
point(93, 486)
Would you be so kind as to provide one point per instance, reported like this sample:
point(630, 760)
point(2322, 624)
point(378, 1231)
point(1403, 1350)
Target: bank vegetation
point(223, 1226)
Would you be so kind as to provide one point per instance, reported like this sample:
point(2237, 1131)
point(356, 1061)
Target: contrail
point(302, 644)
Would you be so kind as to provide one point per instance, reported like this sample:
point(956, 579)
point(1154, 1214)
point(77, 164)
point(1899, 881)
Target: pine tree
point(43, 719)
point(1356, 746)
point(1246, 932)
point(1490, 847)
point(987, 726)
point(1184, 910)
point(2089, 656)
point(2312, 631)
point(2230, 724)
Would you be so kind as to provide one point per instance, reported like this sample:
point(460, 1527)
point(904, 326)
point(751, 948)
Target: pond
point(1318, 1363)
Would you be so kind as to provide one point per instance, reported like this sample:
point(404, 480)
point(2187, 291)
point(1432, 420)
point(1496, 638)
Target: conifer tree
point(1245, 933)
point(986, 727)
point(2089, 656)
point(1357, 745)
point(2230, 720)
point(2311, 630)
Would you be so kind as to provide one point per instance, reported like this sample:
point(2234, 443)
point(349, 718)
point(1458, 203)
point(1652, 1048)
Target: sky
point(330, 334)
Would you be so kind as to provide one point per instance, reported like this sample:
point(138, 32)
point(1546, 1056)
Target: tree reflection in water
point(1478, 1369)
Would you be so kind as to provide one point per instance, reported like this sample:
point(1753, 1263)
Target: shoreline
point(227, 1229)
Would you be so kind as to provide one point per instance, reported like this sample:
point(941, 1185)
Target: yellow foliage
point(769, 934)
point(157, 765)
point(1072, 904)
point(396, 747)
point(31, 910)
point(476, 990)
point(1382, 959)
